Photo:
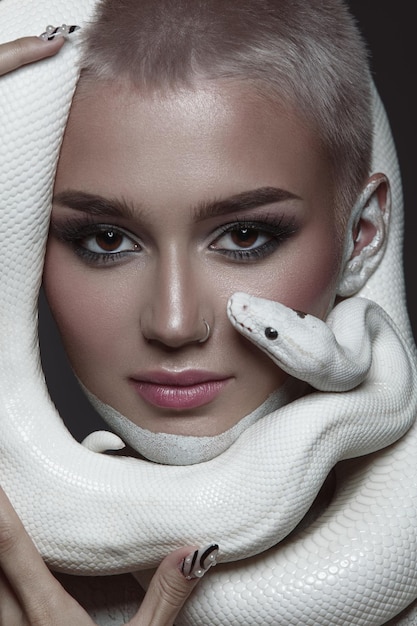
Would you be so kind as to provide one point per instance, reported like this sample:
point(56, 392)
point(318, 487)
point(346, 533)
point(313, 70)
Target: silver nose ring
point(207, 334)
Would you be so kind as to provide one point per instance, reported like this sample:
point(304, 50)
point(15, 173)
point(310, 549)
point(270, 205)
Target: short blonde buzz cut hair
point(308, 54)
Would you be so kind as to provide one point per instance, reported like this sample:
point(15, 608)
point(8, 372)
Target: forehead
point(213, 136)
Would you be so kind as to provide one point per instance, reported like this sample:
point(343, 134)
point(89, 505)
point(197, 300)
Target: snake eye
point(271, 333)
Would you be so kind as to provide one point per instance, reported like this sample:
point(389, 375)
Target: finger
point(171, 585)
point(14, 54)
point(10, 611)
point(39, 595)
point(17, 550)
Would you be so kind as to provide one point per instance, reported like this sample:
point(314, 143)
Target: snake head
point(305, 346)
point(294, 340)
point(275, 328)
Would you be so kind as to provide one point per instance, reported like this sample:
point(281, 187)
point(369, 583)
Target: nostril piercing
point(207, 334)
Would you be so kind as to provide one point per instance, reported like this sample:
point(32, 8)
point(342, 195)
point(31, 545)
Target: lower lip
point(178, 396)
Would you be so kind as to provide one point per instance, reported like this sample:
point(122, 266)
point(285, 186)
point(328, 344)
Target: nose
point(175, 311)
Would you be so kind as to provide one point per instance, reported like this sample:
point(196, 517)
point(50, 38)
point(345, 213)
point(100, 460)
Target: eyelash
point(76, 230)
point(278, 228)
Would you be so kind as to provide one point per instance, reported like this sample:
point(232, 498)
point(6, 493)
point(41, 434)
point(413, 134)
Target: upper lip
point(179, 379)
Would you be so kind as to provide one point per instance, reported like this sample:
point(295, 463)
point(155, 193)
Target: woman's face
point(165, 205)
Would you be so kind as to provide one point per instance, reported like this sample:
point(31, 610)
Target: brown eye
point(245, 241)
point(244, 237)
point(109, 240)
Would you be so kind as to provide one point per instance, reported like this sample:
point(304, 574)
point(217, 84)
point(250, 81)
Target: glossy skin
point(179, 161)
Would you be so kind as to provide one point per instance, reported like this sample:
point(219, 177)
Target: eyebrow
point(97, 205)
point(94, 204)
point(243, 202)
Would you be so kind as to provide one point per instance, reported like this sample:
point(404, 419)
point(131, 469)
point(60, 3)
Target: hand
point(26, 50)
point(31, 596)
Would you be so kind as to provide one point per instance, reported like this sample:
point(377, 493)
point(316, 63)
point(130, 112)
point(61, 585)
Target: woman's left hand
point(14, 54)
point(31, 596)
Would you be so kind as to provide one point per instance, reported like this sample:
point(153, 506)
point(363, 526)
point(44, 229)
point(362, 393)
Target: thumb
point(172, 583)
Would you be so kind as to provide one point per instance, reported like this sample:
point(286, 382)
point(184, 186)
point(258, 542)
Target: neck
point(172, 449)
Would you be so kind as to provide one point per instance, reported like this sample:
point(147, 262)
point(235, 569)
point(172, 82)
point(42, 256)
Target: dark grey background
point(390, 31)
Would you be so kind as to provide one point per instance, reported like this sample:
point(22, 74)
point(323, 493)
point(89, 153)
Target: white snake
point(355, 564)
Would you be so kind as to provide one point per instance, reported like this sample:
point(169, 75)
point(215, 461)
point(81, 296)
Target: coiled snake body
point(355, 562)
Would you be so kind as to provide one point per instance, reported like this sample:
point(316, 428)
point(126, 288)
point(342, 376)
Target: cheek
point(87, 311)
point(306, 278)
point(312, 287)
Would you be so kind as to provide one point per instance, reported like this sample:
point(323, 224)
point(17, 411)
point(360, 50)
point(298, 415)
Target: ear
point(366, 235)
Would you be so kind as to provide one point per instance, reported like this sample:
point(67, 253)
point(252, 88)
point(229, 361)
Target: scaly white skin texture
point(354, 564)
point(330, 356)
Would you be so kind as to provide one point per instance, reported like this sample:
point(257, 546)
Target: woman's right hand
point(14, 54)
point(31, 596)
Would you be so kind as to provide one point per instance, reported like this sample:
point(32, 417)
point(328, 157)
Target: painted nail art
point(196, 564)
point(52, 32)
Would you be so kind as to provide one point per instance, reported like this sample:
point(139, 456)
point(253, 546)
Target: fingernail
point(53, 32)
point(197, 563)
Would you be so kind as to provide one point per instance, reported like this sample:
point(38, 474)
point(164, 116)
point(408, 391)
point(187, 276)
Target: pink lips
point(186, 390)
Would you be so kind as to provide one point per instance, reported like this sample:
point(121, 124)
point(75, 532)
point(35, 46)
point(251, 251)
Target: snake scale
point(355, 563)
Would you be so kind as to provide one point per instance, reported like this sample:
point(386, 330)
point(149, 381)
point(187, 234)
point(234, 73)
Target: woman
point(186, 372)
point(176, 318)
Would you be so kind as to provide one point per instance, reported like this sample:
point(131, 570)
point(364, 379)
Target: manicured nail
point(53, 32)
point(196, 564)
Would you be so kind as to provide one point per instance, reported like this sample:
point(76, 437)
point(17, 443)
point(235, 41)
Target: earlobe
point(366, 235)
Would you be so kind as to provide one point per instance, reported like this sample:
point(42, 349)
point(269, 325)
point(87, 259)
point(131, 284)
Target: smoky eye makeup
point(242, 240)
point(248, 239)
point(95, 243)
